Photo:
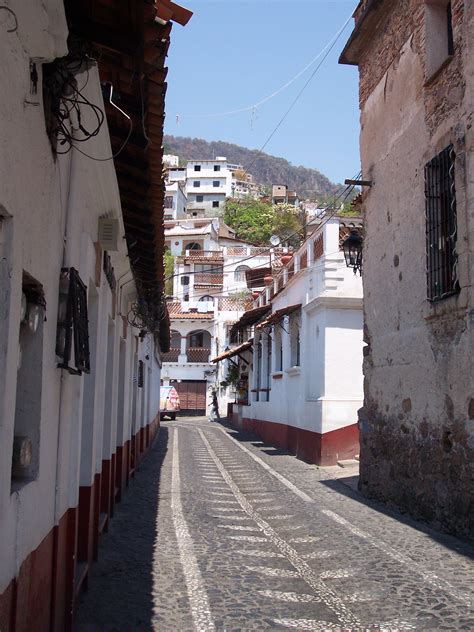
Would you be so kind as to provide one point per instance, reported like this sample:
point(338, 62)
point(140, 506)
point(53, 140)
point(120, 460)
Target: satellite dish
point(275, 240)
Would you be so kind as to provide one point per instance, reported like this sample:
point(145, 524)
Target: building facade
point(80, 356)
point(209, 295)
point(299, 353)
point(175, 201)
point(208, 184)
point(416, 69)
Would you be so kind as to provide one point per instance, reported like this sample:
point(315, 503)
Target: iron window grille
point(73, 324)
point(441, 226)
point(140, 374)
point(109, 271)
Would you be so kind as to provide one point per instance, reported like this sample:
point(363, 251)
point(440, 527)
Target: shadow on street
point(347, 486)
point(119, 597)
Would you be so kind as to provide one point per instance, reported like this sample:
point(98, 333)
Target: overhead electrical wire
point(253, 108)
point(100, 119)
point(327, 49)
point(348, 189)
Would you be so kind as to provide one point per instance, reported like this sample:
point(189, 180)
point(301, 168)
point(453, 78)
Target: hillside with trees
point(266, 169)
point(256, 221)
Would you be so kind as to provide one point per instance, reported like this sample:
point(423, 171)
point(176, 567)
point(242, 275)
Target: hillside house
point(299, 352)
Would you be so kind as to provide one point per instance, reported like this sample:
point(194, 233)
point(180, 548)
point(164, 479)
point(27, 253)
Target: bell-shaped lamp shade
point(352, 248)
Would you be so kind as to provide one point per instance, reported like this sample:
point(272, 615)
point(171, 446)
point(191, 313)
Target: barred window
point(441, 226)
point(73, 325)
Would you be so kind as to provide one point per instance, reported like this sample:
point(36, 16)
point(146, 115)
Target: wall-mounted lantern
point(33, 305)
point(352, 248)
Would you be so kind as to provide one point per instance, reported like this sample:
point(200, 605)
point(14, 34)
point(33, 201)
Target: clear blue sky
point(234, 53)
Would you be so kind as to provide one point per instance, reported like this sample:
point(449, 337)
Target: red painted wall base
point(311, 447)
point(42, 597)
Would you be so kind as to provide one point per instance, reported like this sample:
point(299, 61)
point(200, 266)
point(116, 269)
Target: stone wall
point(417, 430)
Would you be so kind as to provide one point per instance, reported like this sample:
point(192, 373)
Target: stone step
point(348, 463)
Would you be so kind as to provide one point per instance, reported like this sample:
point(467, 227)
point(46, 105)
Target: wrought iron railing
point(208, 278)
point(172, 355)
point(198, 255)
point(199, 354)
point(229, 304)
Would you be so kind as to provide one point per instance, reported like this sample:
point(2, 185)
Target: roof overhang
point(250, 317)
point(230, 353)
point(255, 276)
point(278, 315)
point(365, 28)
point(130, 40)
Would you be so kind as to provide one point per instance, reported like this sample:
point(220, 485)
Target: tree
point(348, 210)
point(288, 224)
point(251, 219)
point(169, 272)
point(256, 221)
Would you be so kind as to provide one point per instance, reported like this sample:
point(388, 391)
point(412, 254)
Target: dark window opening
point(197, 167)
point(197, 184)
point(450, 29)
point(215, 204)
point(199, 198)
point(217, 167)
point(215, 183)
point(441, 226)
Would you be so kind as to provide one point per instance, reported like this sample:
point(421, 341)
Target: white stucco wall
point(325, 391)
point(50, 211)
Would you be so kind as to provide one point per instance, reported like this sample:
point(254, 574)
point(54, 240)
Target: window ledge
point(277, 375)
point(293, 370)
point(434, 75)
point(453, 304)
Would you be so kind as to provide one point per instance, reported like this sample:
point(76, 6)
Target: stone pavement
point(220, 532)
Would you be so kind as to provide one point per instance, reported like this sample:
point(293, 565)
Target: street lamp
point(352, 248)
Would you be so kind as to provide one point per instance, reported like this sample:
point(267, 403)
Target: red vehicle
point(169, 402)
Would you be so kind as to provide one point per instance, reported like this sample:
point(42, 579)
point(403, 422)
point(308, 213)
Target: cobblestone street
point(225, 533)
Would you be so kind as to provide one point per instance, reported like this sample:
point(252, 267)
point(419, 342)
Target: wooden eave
point(364, 30)
point(130, 42)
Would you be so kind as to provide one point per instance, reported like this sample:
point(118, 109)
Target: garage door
point(192, 395)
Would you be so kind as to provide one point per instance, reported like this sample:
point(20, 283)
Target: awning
point(278, 315)
point(235, 351)
point(255, 276)
point(250, 318)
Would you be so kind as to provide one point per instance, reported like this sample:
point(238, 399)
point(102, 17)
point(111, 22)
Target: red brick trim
point(311, 447)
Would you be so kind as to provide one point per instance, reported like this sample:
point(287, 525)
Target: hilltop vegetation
point(256, 221)
point(266, 169)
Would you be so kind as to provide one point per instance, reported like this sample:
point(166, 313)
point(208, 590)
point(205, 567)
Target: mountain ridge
point(266, 169)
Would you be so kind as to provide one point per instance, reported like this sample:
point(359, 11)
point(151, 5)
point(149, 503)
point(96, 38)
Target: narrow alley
point(225, 533)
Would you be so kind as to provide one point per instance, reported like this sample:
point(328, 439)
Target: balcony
point(199, 256)
point(171, 356)
point(207, 279)
point(198, 354)
point(230, 304)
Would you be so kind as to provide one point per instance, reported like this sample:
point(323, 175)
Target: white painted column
point(331, 237)
point(256, 340)
point(297, 263)
point(264, 340)
point(286, 343)
point(182, 358)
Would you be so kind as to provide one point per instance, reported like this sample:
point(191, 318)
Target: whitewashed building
point(300, 353)
point(82, 321)
point(208, 184)
point(175, 201)
point(209, 295)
